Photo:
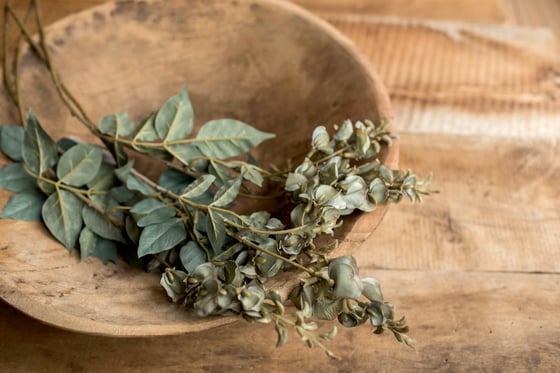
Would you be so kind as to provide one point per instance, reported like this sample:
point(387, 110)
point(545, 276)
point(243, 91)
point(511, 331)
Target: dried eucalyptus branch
point(212, 258)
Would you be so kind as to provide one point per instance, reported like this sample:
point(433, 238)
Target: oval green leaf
point(14, 178)
point(192, 256)
point(24, 206)
point(100, 225)
point(175, 119)
point(227, 193)
point(11, 141)
point(224, 138)
point(216, 230)
point(117, 125)
point(62, 214)
point(199, 186)
point(93, 245)
point(79, 165)
point(157, 238)
point(39, 151)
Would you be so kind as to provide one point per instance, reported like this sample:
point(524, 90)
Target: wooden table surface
point(475, 87)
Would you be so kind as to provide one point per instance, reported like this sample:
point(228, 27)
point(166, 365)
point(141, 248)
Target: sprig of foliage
point(184, 225)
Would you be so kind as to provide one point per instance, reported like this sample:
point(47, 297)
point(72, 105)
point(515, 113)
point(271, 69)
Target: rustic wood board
point(466, 267)
point(462, 321)
point(491, 11)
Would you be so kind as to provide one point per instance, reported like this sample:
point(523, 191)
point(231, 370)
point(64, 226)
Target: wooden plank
point(462, 322)
point(474, 68)
point(544, 13)
point(498, 209)
point(492, 11)
point(481, 113)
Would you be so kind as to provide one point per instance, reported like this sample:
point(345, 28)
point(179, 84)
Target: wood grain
point(498, 209)
point(462, 321)
point(493, 11)
point(467, 266)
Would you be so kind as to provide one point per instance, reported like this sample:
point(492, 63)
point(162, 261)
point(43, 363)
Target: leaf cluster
point(184, 225)
point(211, 258)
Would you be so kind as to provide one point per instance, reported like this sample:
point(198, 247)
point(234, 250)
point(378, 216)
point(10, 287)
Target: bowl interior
point(263, 62)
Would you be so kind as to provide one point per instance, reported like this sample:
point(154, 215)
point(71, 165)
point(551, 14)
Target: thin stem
point(339, 151)
point(42, 52)
point(48, 60)
point(6, 71)
point(234, 162)
point(269, 232)
point(12, 87)
point(17, 68)
point(311, 337)
point(24, 31)
point(185, 201)
point(80, 194)
point(259, 196)
point(59, 184)
point(117, 223)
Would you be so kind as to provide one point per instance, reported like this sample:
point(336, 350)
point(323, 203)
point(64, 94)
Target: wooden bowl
point(265, 62)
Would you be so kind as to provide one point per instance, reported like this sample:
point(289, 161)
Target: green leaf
point(224, 138)
point(327, 309)
point(372, 289)
point(39, 150)
point(123, 172)
point(156, 216)
point(66, 143)
point(220, 172)
point(100, 225)
point(192, 256)
point(228, 253)
point(156, 238)
point(132, 183)
point(268, 266)
point(132, 230)
point(24, 206)
point(93, 245)
point(378, 190)
point(151, 211)
point(216, 229)
point(62, 214)
point(79, 165)
point(146, 206)
point(386, 174)
point(122, 194)
point(14, 178)
point(198, 187)
point(344, 271)
point(282, 332)
point(185, 153)
point(345, 131)
point(175, 119)
point(252, 174)
point(104, 180)
point(175, 180)
point(146, 132)
point(11, 141)
point(117, 151)
point(227, 193)
point(320, 138)
point(117, 125)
